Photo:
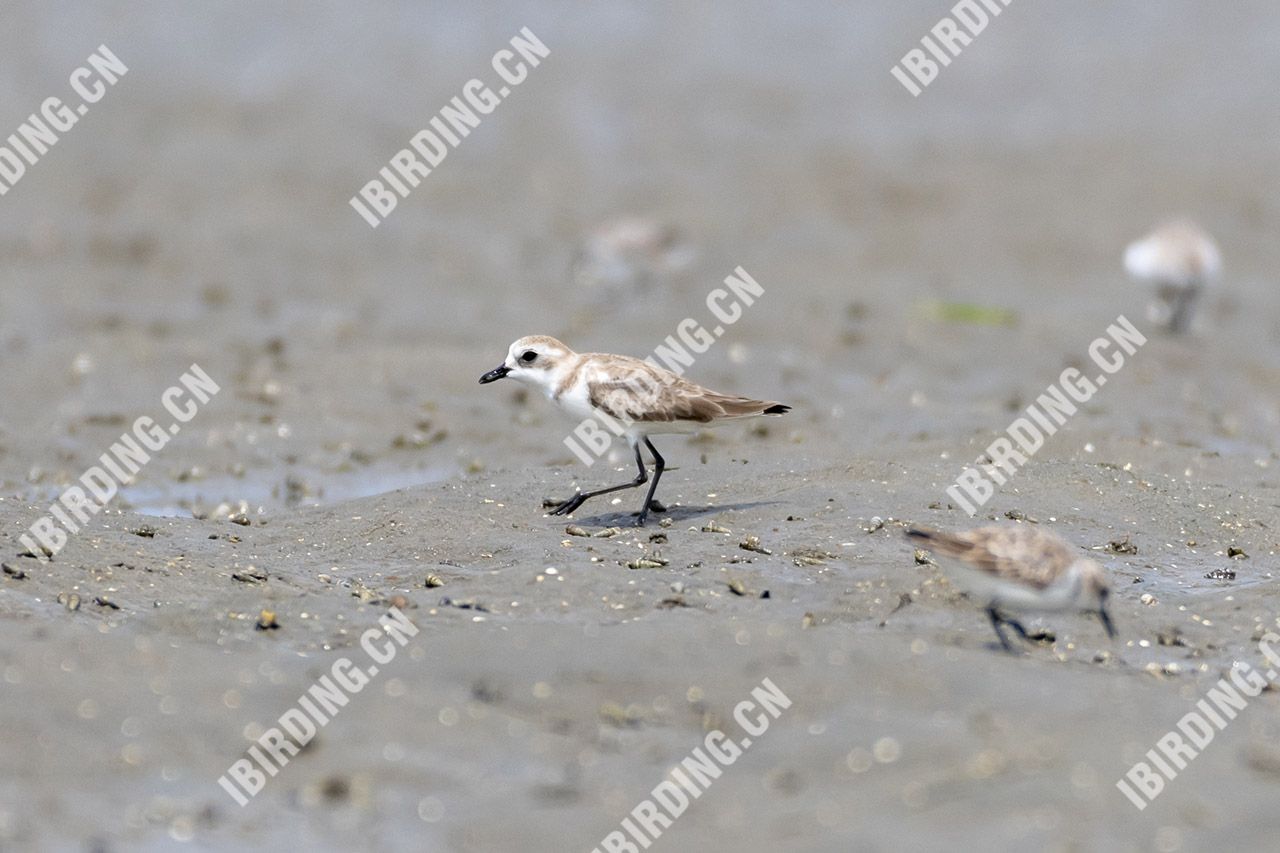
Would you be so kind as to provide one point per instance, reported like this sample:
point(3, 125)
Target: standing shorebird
point(1020, 568)
point(637, 398)
point(1179, 260)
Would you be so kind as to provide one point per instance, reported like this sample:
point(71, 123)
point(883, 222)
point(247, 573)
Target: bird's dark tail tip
point(777, 409)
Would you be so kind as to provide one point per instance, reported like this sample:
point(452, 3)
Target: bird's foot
point(568, 506)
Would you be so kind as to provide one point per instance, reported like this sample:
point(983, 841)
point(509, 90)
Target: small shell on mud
point(810, 556)
point(752, 543)
point(714, 527)
point(267, 621)
point(607, 533)
point(575, 530)
point(648, 562)
point(1122, 546)
point(433, 581)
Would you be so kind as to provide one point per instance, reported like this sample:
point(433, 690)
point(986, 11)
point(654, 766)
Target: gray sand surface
point(198, 214)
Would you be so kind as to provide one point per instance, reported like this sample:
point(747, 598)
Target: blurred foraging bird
point(629, 253)
point(1179, 259)
point(1020, 567)
point(640, 398)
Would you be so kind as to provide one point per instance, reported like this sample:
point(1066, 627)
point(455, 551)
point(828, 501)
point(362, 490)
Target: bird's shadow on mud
point(677, 514)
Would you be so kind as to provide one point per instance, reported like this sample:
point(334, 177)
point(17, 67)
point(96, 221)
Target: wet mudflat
point(925, 279)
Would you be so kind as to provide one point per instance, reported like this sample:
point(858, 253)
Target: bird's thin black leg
point(1017, 626)
point(1106, 622)
point(582, 497)
point(996, 619)
point(658, 465)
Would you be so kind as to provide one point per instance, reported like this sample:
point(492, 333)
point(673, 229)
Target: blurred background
point(199, 213)
point(930, 265)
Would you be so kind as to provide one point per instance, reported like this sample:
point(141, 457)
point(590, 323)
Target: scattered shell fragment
point(607, 533)
point(1122, 546)
point(652, 561)
point(1147, 599)
point(810, 556)
point(362, 592)
point(146, 531)
point(1221, 575)
point(614, 714)
point(737, 587)
point(71, 601)
point(1237, 553)
point(752, 543)
point(251, 574)
point(713, 527)
point(666, 522)
point(267, 621)
point(575, 530)
point(923, 557)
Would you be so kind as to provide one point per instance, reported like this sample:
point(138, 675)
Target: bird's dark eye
point(528, 356)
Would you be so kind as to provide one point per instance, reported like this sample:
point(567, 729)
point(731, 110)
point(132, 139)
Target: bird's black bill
point(494, 375)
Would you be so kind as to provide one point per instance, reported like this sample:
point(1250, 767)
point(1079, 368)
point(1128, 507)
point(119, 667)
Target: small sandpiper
point(1179, 260)
point(1020, 567)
